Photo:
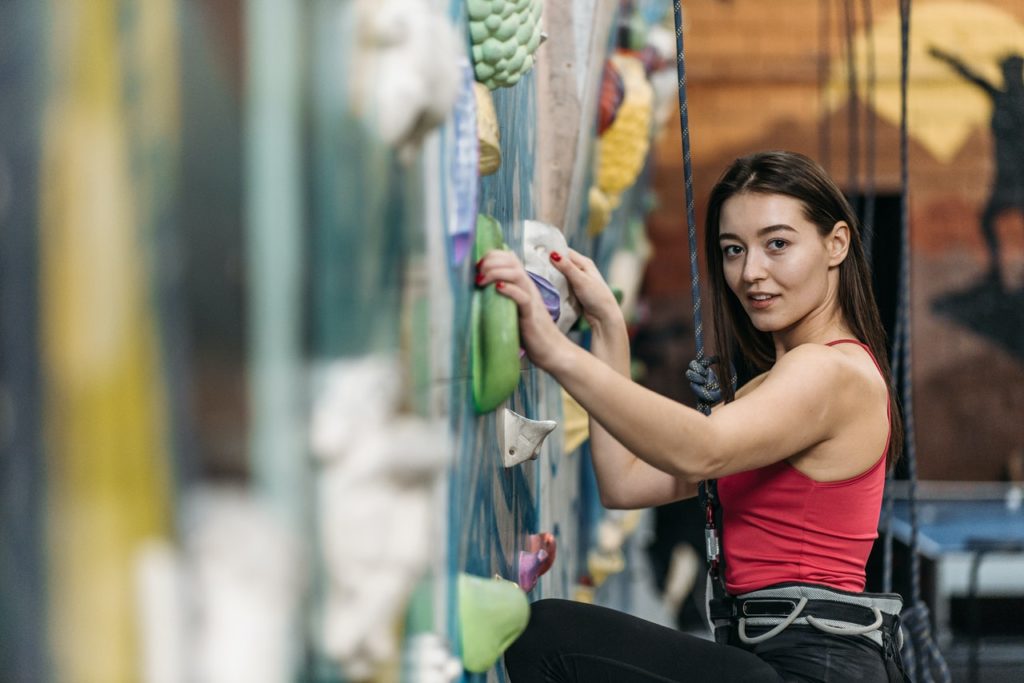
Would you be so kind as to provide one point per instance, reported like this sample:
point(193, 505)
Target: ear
point(838, 243)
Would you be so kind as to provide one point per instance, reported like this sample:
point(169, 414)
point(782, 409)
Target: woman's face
point(776, 262)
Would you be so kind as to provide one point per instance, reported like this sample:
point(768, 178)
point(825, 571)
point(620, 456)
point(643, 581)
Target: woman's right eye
point(732, 250)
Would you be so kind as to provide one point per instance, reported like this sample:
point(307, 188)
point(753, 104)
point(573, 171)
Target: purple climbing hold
point(549, 293)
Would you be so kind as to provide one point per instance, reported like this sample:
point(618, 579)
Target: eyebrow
point(781, 227)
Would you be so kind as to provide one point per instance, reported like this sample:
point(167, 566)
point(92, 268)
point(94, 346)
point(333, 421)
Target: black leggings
point(568, 641)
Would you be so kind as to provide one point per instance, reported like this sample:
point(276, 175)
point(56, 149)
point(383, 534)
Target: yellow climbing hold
point(623, 148)
point(600, 211)
point(487, 130)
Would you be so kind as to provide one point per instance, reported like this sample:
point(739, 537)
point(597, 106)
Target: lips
point(760, 300)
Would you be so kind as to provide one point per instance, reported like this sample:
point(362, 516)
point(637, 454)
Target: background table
point(960, 525)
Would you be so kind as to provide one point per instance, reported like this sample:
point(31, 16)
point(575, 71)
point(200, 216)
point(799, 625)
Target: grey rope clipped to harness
point(922, 656)
point(691, 220)
point(708, 490)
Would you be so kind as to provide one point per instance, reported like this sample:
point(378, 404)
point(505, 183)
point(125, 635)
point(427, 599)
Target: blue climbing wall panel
point(493, 510)
point(384, 275)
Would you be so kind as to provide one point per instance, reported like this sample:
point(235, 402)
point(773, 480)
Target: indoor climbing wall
point(523, 162)
point(22, 479)
point(265, 427)
point(108, 145)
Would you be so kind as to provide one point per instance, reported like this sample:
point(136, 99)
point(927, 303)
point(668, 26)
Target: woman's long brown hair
point(796, 176)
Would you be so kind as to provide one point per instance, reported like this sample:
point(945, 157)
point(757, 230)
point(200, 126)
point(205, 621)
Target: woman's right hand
point(543, 342)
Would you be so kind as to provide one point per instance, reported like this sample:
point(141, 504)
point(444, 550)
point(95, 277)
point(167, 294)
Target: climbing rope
point(824, 118)
point(921, 654)
point(691, 221)
point(708, 491)
point(853, 101)
point(868, 223)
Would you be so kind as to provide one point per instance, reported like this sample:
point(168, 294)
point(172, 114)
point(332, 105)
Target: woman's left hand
point(595, 296)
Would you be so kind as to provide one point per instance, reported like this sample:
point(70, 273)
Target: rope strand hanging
point(691, 221)
point(852, 104)
point(868, 223)
point(824, 120)
point(708, 490)
point(922, 657)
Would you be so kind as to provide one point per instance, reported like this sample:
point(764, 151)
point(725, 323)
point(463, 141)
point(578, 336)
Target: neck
point(824, 324)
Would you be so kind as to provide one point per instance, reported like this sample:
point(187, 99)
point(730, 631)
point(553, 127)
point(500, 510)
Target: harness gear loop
point(843, 631)
point(782, 626)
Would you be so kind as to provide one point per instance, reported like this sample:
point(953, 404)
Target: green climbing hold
point(492, 614)
point(495, 327)
point(478, 32)
point(504, 35)
point(507, 30)
point(478, 9)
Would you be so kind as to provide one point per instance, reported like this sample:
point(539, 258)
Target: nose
point(753, 267)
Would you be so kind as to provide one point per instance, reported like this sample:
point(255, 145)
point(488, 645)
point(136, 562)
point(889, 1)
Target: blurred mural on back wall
point(965, 113)
point(967, 178)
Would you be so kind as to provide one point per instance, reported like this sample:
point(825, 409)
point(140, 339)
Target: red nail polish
point(479, 279)
point(500, 285)
point(555, 256)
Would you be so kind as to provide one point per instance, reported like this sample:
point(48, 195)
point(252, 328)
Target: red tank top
point(780, 525)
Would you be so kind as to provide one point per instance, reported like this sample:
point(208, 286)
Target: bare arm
point(790, 410)
point(793, 409)
point(624, 481)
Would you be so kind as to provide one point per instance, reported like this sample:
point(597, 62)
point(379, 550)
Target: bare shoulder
point(828, 371)
point(858, 362)
point(855, 395)
point(810, 361)
point(752, 384)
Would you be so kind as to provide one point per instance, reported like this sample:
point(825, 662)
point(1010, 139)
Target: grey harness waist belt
point(872, 615)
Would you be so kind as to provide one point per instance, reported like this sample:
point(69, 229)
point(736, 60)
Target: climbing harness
point(922, 656)
point(875, 616)
point(756, 617)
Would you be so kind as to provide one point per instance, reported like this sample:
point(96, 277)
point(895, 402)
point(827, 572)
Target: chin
point(768, 324)
point(762, 323)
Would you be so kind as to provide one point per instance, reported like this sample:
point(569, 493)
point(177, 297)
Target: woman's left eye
point(777, 244)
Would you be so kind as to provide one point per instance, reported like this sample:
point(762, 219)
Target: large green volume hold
point(495, 323)
point(493, 613)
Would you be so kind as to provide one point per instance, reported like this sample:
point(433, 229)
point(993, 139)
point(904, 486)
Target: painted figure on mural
point(1008, 142)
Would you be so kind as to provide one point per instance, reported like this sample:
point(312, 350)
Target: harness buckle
point(767, 608)
point(711, 544)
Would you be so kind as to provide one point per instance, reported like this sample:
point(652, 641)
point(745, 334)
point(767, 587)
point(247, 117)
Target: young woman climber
point(799, 452)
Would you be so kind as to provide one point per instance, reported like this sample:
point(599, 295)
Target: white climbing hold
point(539, 240)
point(405, 70)
point(428, 660)
point(520, 438)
